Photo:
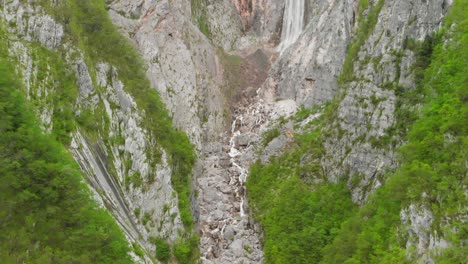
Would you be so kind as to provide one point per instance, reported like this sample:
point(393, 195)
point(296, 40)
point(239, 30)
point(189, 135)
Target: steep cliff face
point(368, 108)
point(367, 70)
point(308, 70)
point(314, 93)
point(182, 64)
point(363, 67)
point(82, 97)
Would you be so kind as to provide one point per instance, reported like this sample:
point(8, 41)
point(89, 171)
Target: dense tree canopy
point(46, 213)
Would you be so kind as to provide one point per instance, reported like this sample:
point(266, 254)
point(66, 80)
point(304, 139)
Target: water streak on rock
point(293, 23)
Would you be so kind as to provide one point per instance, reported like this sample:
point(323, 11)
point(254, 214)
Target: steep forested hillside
point(433, 171)
point(46, 211)
point(306, 221)
point(84, 43)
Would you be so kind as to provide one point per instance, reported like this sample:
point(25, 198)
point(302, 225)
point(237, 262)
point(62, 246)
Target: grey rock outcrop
point(225, 25)
point(418, 221)
point(182, 63)
point(33, 26)
point(46, 31)
point(368, 107)
point(262, 19)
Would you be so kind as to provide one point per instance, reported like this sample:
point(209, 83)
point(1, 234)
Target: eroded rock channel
point(228, 133)
point(228, 71)
point(228, 233)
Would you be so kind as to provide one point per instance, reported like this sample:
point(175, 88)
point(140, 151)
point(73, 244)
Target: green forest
point(307, 222)
point(46, 212)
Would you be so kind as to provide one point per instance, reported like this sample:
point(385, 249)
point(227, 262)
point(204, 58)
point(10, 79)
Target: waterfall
point(293, 23)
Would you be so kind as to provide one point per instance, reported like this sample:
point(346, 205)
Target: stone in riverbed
point(229, 233)
point(237, 248)
point(242, 140)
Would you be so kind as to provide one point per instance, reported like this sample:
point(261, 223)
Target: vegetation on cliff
point(46, 212)
point(88, 27)
point(433, 162)
point(432, 174)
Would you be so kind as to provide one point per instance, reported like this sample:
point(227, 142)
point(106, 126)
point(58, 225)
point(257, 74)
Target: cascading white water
point(233, 153)
point(293, 23)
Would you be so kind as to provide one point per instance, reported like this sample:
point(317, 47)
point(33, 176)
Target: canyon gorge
point(256, 131)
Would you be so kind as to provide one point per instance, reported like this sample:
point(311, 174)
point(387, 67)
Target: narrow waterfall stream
point(233, 153)
point(228, 232)
point(293, 23)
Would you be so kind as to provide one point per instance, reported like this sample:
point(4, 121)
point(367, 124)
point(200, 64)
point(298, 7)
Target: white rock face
point(84, 82)
point(283, 108)
point(126, 123)
point(182, 63)
point(224, 24)
point(31, 25)
point(45, 30)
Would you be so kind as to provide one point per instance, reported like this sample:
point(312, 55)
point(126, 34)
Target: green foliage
point(146, 218)
point(135, 179)
point(304, 113)
point(365, 237)
point(299, 218)
point(433, 160)
point(269, 135)
point(137, 212)
point(138, 250)
point(163, 250)
point(200, 16)
point(63, 80)
point(47, 215)
point(90, 28)
point(87, 120)
point(366, 27)
point(424, 52)
point(186, 250)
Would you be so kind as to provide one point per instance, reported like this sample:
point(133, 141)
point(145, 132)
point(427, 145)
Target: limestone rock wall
point(182, 64)
point(367, 109)
point(122, 153)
